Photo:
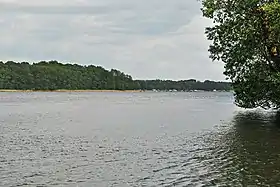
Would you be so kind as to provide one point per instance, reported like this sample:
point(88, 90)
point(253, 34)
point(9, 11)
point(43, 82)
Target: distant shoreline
point(63, 90)
point(53, 76)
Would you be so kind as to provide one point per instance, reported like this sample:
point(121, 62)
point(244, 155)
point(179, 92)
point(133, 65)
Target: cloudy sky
point(147, 39)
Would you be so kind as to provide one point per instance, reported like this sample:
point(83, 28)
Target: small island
point(56, 76)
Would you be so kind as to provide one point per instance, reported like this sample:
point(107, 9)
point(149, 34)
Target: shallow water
point(135, 139)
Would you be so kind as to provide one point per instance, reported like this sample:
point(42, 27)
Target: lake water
point(135, 139)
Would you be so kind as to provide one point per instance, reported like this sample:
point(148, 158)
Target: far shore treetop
point(53, 75)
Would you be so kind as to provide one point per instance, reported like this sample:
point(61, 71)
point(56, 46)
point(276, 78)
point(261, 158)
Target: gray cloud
point(147, 39)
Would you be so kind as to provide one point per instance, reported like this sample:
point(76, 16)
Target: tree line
point(53, 75)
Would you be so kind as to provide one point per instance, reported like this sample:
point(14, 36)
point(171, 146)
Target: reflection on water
point(248, 152)
point(142, 139)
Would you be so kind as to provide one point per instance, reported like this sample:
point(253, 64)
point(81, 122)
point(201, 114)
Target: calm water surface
point(135, 139)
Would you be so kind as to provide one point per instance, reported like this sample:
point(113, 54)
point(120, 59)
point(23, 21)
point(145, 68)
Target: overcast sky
point(147, 39)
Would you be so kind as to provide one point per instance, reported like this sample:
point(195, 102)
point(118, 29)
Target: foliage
point(243, 34)
point(53, 75)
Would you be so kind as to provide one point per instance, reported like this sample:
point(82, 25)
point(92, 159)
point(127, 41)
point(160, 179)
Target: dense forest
point(53, 75)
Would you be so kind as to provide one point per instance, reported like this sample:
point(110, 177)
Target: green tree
point(246, 36)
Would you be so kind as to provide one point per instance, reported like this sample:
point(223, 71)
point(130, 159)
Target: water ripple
point(129, 140)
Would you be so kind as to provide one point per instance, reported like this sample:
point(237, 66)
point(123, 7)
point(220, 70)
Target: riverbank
point(6, 90)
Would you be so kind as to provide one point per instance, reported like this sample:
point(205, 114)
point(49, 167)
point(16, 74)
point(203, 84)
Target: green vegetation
point(53, 75)
point(246, 37)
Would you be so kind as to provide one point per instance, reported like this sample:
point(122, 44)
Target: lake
point(135, 139)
